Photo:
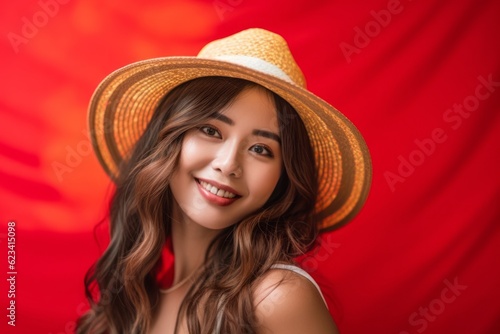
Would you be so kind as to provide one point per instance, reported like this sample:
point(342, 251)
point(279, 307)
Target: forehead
point(253, 107)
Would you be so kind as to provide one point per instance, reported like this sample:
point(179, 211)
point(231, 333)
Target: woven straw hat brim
point(124, 102)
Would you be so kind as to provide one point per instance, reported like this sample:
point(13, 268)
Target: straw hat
point(123, 104)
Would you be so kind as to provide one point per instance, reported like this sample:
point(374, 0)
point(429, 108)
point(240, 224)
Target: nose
point(227, 160)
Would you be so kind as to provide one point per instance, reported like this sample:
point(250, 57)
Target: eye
point(210, 131)
point(262, 150)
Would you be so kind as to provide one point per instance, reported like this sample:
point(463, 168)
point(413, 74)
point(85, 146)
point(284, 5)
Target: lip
point(212, 198)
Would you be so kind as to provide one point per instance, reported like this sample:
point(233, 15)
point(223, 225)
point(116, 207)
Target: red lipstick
point(213, 198)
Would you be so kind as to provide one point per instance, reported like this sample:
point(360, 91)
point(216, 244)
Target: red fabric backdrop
point(420, 79)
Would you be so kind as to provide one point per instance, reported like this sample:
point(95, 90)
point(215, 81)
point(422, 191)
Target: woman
point(226, 161)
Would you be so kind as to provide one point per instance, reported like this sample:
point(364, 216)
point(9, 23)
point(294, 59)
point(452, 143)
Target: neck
point(190, 242)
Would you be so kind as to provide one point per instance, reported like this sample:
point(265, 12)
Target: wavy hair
point(121, 286)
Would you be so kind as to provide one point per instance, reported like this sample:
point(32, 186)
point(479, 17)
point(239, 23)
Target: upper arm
point(286, 302)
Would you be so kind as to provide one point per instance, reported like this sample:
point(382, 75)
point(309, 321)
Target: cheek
point(265, 182)
point(189, 149)
point(192, 153)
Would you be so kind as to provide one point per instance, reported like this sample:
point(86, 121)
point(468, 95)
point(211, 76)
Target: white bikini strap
point(301, 272)
point(295, 269)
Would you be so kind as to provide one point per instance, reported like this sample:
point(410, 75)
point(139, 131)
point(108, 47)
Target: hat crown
point(259, 50)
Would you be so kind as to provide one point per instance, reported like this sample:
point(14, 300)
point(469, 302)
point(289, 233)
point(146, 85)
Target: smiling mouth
point(216, 191)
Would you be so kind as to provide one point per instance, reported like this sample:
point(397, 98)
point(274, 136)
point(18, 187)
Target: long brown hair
point(124, 277)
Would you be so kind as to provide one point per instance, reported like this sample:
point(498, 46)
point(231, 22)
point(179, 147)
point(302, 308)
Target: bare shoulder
point(287, 302)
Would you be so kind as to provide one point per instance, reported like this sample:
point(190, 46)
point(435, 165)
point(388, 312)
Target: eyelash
point(268, 154)
point(206, 128)
point(203, 129)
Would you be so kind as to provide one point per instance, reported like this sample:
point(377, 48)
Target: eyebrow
point(224, 119)
point(267, 134)
point(261, 133)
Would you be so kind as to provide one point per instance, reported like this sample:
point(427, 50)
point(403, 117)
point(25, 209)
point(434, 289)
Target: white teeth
point(216, 191)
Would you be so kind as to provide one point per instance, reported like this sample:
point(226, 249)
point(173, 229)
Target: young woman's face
point(229, 166)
